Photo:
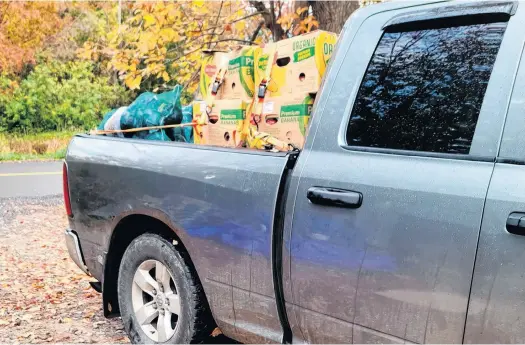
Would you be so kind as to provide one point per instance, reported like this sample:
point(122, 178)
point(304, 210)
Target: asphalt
point(30, 179)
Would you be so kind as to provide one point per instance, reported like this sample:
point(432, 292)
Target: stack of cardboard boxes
point(298, 67)
point(229, 105)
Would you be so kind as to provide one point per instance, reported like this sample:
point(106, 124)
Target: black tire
point(194, 322)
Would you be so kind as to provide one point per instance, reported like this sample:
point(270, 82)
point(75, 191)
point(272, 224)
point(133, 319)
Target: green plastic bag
point(150, 110)
point(157, 135)
point(187, 117)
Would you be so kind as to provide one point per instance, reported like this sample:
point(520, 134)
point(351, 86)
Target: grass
point(44, 146)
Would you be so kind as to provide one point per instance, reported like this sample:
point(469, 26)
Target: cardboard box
point(226, 120)
point(203, 139)
point(211, 63)
point(286, 120)
point(277, 86)
point(239, 80)
point(299, 66)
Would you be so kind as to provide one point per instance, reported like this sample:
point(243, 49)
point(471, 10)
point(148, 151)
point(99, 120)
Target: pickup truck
point(401, 221)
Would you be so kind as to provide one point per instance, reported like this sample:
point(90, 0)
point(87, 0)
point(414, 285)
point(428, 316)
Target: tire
point(192, 324)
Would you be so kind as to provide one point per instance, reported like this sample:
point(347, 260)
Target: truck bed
point(220, 202)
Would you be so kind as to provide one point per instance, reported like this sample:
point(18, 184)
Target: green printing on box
point(231, 116)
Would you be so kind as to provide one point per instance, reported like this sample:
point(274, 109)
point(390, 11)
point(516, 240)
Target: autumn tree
point(160, 44)
point(23, 28)
point(332, 15)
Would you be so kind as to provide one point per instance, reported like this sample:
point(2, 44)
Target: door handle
point(516, 223)
point(334, 197)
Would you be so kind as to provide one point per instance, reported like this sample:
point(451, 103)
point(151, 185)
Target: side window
point(424, 87)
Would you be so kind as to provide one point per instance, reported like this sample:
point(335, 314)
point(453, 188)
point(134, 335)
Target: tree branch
point(272, 13)
point(216, 21)
point(256, 32)
point(234, 40)
point(250, 15)
point(239, 19)
point(269, 18)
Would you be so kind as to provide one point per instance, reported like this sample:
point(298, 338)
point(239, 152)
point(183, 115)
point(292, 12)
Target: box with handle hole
point(299, 64)
point(239, 80)
point(286, 120)
point(226, 121)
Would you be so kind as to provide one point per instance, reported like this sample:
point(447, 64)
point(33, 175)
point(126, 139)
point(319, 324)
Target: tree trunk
point(332, 15)
point(269, 18)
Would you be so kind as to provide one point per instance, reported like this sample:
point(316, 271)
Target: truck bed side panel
point(219, 202)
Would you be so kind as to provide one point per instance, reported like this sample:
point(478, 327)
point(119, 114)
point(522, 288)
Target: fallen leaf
point(216, 332)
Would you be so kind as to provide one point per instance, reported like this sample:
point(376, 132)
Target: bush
point(60, 96)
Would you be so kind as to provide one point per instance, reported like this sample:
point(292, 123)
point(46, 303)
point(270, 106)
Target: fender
point(113, 253)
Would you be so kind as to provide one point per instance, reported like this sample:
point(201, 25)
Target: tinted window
point(423, 89)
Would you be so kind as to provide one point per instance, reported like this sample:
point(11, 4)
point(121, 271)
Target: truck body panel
point(220, 203)
point(396, 298)
point(496, 305)
point(424, 256)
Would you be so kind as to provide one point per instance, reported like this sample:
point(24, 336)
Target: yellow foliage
point(198, 3)
point(161, 42)
point(133, 81)
point(240, 26)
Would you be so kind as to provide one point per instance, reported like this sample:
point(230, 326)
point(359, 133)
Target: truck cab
point(401, 220)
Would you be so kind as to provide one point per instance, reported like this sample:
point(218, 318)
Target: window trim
point(511, 161)
point(343, 129)
point(462, 11)
point(427, 154)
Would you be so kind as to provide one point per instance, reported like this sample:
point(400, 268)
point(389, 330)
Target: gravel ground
point(44, 297)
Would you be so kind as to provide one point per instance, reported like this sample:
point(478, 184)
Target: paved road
point(31, 179)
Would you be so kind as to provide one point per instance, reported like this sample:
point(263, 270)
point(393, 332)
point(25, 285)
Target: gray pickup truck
point(401, 220)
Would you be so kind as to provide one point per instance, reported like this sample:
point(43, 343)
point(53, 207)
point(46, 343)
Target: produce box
point(286, 120)
point(203, 138)
point(299, 66)
point(239, 80)
point(211, 63)
point(226, 121)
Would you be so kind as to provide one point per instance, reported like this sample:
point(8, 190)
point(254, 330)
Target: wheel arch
point(128, 227)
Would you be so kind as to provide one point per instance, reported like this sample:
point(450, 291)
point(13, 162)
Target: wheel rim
point(155, 300)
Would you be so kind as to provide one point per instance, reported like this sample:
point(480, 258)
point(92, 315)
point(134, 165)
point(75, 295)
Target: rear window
point(423, 89)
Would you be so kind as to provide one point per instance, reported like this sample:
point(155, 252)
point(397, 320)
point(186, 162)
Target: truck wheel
point(160, 298)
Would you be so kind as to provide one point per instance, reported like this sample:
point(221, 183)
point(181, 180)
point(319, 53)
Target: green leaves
point(58, 96)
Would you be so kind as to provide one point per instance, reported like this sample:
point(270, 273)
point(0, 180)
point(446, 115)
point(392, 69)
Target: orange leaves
point(293, 23)
point(24, 28)
point(306, 25)
point(46, 299)
point(228, 28)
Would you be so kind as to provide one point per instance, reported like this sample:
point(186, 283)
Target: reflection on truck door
point(417, 145)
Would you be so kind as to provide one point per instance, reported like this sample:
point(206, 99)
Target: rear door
point(497, 305)
point(387, 214)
